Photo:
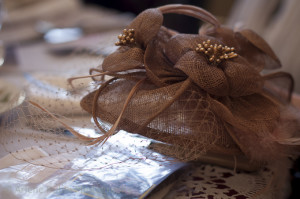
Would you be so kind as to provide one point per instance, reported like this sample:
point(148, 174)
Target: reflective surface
point(118, 175)
point(62, 35)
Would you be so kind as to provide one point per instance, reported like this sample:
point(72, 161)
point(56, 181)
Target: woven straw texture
point(166, 89)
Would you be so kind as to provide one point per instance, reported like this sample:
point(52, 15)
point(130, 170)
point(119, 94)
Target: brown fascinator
point(196, 94)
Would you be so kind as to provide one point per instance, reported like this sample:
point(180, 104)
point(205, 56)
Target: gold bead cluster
point(215, 53)
point(126, 38)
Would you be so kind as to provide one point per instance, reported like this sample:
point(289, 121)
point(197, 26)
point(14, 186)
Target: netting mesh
point(187, 123)
point(27, 130)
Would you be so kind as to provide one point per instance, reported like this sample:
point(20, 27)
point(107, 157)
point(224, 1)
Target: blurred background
point(48, 34)
point(27, 21)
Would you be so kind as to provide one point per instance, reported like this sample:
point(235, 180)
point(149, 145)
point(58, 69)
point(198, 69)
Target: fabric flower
point(131, 56)
point(231, 77)
point(249, 45)
point(234, 84)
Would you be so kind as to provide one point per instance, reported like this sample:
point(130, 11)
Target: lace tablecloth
point(214, 182)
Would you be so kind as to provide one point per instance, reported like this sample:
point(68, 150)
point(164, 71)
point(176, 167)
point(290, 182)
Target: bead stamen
point(215, 53)
point(126, 38)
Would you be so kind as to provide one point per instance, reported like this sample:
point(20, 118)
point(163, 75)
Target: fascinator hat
point(196, 94)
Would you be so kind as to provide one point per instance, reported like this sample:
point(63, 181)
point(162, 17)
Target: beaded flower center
point(215, 53)
point(126, 38)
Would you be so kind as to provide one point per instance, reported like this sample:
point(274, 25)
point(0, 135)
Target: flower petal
point(146, 25)
point(224, 35)
point(208, 77)
point(159, 69)
point(242, 78)
point(261, 44)
point(182, 43)
point(125, 58)
point(248, 45)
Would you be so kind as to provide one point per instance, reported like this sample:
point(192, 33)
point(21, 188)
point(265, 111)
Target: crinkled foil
point(34, 148)
point(128, 178)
